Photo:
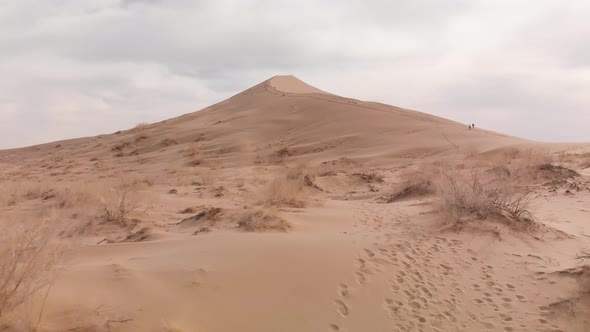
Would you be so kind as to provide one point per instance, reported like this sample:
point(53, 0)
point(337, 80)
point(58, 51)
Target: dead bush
point(118, 202)
point(282, 154)
point(208, 216)
point(416, 183)
point(141, 127)
point(465, 197)
point(168, 142)
point(289, 188)
point(140, 132)
point(411, 189)
point(120, 147)
point(188, 210)
point(370, 177)
point(263, 220)
point(27, 257)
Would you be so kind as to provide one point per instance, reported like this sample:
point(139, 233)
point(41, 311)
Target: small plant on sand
point(27, 256)
point(263, 220)
point(465, 197)
point(140, 132)
point(415, 183)
point(118, 203)
point(370, 177)
point(289, 188)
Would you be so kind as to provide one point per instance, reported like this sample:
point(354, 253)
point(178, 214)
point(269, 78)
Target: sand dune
point(269, 212)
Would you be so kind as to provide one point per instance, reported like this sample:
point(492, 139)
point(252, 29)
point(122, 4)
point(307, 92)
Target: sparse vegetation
point(466, 197)
point(289, 188)
point(141, 127)
point(415, 183)
point(207, 215)
point(27, 257)
point(188, 210)
point(168, 142)
point(118, 203)
point(282, 154)
point(263, 220)
point(370, 177)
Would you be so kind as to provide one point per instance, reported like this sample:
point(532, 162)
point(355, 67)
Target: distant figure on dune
point(473, 126)
point(469, 126)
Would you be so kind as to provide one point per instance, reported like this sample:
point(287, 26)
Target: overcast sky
point(72, 68)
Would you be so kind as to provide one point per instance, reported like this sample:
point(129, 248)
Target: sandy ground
point(350, 262)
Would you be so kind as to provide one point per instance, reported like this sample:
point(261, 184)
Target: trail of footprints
point(428, 287)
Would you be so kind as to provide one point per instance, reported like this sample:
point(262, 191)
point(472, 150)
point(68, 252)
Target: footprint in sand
point(334, 328)
point(342, 308)
point(343, 290)
point(361, 279)
point(369, 253)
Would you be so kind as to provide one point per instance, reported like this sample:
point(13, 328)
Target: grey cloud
point(120, 62)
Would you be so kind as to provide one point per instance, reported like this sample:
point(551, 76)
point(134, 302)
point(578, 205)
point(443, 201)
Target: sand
point(349, 262)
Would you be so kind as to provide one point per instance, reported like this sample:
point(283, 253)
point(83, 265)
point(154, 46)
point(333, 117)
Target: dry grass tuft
point(370, 177)
point(263, 220)
point(415, 183)
point(188, 210)
point(209, 216)
point(27, 257)
point(118, 202)
point(289, 188)
point(282, 154)
point(467, 197)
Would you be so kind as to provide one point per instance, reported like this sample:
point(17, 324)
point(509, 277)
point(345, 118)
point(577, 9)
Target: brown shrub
point(188, 210)
point(168, 142)
point(263, 220)
point(290, 188)
point(466, 197)
point(118, 202)
point(207, 215)
point(416, 183)
point(27, 257)
point(370, 177)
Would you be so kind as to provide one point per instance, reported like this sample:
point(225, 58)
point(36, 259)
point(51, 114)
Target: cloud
point(121, 62)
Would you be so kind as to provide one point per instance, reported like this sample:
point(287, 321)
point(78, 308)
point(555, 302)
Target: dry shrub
point(282, 154)
point(58, 195)
point(263, 220)
point(416, 183)
point(370, 177)
point(289, 188)
point(118, 201)
point(141, 127)
point(140, 132)
point(28, 254)
point(209, 216)
point(188, 210)
point(168, 142)
point(467, 196)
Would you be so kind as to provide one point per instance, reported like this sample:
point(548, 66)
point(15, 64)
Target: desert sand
point(287, 208)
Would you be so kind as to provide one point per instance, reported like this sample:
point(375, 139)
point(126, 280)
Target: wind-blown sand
point(350, 262)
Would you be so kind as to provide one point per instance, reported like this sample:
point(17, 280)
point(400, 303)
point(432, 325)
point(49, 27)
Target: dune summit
point(291, 84)
point(287, 208)
point(286, 113)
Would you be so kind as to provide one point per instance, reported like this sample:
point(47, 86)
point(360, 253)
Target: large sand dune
point(269, 212)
